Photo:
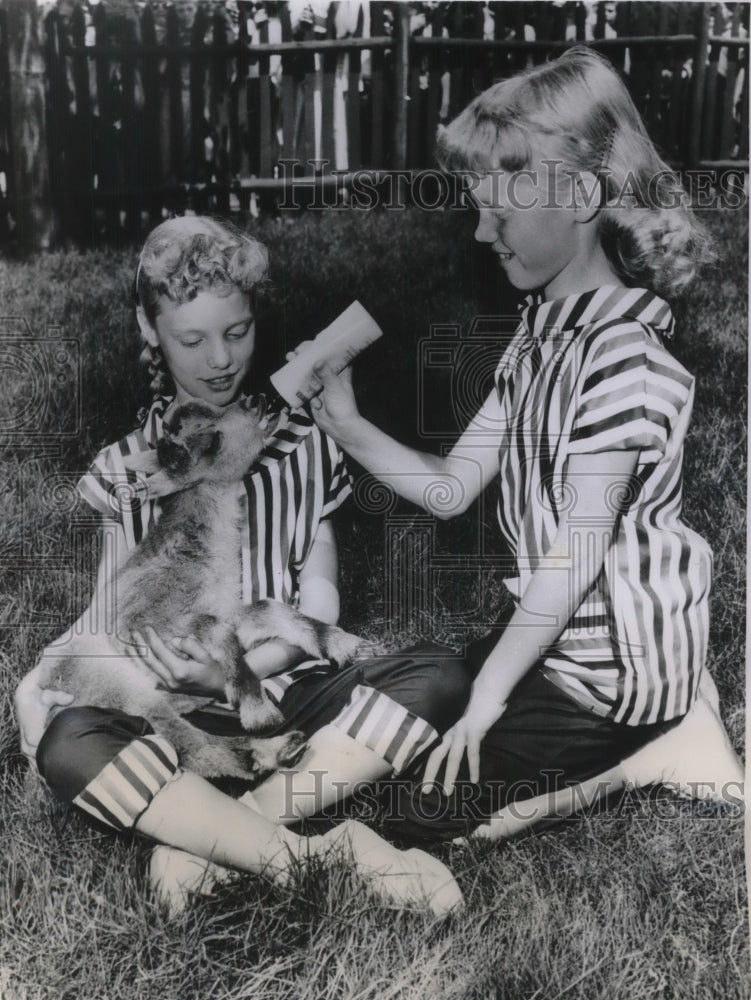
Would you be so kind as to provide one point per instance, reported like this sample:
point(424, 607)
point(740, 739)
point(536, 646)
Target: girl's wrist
point(486, 691)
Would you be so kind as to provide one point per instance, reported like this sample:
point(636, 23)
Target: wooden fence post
point(697, 91)
point(29, 181)
point(401, 77)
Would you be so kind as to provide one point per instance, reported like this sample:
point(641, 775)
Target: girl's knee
point(430, 680)
point(79, 742)
point(448, 691)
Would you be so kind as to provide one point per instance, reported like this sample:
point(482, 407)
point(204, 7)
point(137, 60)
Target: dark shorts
point(544, 741)
point(111, 764)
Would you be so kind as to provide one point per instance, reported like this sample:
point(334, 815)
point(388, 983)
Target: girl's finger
point(159, 647)
point(302, 346)
point(174, 646)
point(473, 758)
point(192, 649)
point(52, 697)
point(434, 762)
point(145, 658)
point(456, 753)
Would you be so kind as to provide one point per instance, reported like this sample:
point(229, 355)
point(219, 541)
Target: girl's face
point(533, 229)
point(207, 344)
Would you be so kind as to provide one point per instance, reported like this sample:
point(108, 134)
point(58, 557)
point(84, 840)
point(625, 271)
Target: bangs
point(480, 142)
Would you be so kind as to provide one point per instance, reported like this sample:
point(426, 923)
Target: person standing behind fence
point(599, 674)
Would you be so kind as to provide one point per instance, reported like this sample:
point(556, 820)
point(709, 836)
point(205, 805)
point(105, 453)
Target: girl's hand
point(33, 708)
point(484, 709)
point(333, 402)
point(182, 664)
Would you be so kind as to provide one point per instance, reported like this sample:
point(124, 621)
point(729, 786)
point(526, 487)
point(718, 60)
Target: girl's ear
point(148, 332)
point(588, 196)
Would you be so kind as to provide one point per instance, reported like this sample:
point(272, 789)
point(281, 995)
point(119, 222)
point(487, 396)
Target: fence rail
point(139, 111)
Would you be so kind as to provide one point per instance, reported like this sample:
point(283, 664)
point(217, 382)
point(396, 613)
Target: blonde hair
point(184, 256)
point(577, 111)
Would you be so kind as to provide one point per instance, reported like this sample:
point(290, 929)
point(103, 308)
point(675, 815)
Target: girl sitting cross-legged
point(599, 674)
point(196, 287)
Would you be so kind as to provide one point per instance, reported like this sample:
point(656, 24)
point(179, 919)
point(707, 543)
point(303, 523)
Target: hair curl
point(576, 110)
point(184, 256)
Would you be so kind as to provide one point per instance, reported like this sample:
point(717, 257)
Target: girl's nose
point(486, 231)
point(219, 358)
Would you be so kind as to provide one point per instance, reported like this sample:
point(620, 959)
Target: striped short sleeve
point(118, 493)
point(632, 393)
point(339, 482)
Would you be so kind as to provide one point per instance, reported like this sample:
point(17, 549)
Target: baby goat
point(184, 579)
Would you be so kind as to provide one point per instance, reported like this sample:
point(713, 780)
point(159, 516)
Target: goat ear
point(204, 443)
point(146, 462)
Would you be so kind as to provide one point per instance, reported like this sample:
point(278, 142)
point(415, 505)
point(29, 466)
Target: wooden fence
point(144, 111)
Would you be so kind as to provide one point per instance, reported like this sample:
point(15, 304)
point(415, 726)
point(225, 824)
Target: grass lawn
point(646, 900)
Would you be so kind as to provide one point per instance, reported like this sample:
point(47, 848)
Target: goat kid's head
point(204, 443)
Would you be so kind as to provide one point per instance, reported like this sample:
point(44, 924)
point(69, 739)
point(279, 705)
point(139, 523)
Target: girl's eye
point(239, 333)
point(190, 343)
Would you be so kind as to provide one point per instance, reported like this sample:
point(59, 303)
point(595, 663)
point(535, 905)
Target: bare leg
point(518, 817)
point(192, 815)
point(228, 833)
point(331, 769)
point(695, 759)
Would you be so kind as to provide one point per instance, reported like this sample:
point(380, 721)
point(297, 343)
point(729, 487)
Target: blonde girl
point(197, 284)
point(584, 434)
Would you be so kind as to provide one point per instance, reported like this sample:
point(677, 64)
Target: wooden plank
point(696, 123)
point(240, 162)
point(311, 84)
point(656, 55)
point(710, 103)
point(290, 73)
point(6, 140)
point(457, 93)
point(377, 90)
point(434, 96)
point(354, 102)
point(743, 139)
point(501, 59)
point(153, 172)
point(728, 122)
point(28, 153)
point(266, 138)
point(517, 21)
point(639, 74)
point(81, 134)
point(177, 172)
point(328, 60)
point(677, 92)
point(580, 22)
point(219, 111)
point(106, 157)
point(196, 163)
point(131, 178)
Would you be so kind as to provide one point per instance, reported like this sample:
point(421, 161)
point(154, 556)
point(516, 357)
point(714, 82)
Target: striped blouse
point(299, 481)
point(585, 374)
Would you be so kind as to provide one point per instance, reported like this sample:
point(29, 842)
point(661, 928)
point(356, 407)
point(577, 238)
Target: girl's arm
point(444, 486)
point(319, 598)
point(32, 703)
point(319, 577)
point(555, 591)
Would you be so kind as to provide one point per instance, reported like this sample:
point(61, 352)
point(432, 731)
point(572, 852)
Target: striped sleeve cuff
point(384, 726)
point(126, 786)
